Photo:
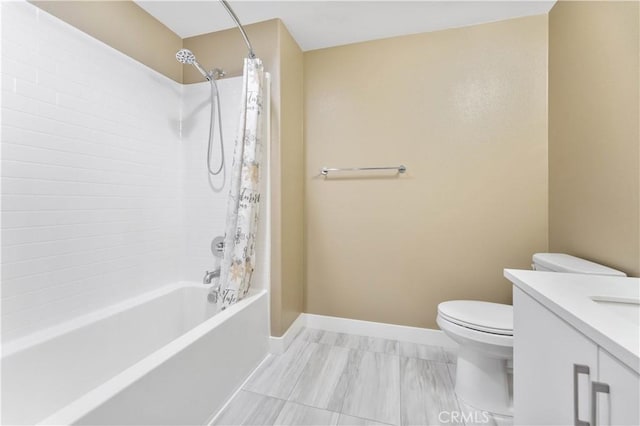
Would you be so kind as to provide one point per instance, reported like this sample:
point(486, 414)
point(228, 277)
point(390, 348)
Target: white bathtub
point(165, 357)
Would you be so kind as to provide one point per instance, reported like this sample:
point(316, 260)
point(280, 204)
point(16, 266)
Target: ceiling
point(319, 24)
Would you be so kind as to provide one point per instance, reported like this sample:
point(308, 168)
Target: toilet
point(484, 332)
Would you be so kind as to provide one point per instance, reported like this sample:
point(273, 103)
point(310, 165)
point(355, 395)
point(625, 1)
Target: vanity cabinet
point(545, 351)
point(622, 405)
point(559, 373)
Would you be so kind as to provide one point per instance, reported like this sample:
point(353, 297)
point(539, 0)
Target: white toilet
point(484, 332)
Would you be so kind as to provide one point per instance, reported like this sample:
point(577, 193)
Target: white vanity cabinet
point(559, 373)
point(550, 358)
point(622, 405)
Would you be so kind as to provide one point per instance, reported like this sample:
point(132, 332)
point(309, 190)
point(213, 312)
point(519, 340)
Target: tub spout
point(209, 276)
point(212, 297)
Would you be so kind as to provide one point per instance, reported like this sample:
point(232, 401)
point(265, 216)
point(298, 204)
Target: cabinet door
point(545, 351)
point(620, 406)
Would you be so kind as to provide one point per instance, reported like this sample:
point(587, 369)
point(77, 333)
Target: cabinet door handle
point(596, 388)
point(578, 369)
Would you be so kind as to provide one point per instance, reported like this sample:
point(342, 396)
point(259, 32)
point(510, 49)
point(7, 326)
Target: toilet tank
point(559, 262)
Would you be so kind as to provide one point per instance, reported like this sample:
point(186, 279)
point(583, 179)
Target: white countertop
point(569, 297)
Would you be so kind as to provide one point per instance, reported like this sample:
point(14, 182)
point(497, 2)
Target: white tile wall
point(105, 192)
point(91, 176)
point(205, 197)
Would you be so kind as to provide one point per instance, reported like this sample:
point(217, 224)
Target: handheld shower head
point(185, 56)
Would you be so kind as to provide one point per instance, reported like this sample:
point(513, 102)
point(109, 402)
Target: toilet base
point(484, 382)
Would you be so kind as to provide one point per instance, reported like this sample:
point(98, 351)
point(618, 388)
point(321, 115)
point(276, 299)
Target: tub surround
point(91, 211)
point(94, 214)
point(569, 296)
point(225, 49)
point(204, 197)
point(104, 186)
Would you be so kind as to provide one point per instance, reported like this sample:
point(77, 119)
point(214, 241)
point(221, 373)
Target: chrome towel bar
point(325, 170)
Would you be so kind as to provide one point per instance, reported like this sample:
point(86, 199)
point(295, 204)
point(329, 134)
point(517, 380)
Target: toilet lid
point(488, 317)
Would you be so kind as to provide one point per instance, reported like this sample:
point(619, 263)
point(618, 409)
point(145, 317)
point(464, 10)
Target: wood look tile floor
point(327, 378)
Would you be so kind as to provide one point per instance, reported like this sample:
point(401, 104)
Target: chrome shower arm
point(240, 27)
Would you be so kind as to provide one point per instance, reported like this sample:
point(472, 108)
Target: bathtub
point(165, 357)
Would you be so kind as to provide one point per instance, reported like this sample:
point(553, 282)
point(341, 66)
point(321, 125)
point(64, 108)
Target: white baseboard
point(422, 336)
point(278, 345)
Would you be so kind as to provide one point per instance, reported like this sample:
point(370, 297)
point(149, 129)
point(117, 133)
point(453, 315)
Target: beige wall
point(466, 111)
point(227, 50)
point(126, 27)
point(292, 180)
point(594, 136)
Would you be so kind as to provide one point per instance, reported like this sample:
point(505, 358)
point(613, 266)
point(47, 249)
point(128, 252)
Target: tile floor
point(327, 378)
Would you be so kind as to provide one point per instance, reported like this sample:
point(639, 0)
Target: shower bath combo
point(185, 56)
point(160, 357)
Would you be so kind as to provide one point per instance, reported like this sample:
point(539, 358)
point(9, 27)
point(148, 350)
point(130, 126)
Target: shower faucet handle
point(217, 247)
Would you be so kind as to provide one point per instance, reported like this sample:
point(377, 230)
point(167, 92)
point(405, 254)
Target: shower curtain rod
point(240, 27)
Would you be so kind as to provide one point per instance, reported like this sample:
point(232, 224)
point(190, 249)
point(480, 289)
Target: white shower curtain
point(244, 195)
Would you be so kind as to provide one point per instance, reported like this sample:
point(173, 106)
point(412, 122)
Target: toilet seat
point(486, 317)
point(495, 344)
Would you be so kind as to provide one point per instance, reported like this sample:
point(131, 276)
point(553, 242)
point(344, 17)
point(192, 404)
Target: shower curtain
point(244, 195)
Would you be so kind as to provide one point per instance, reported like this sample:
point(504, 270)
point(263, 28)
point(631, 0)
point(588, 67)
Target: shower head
point(185, 56)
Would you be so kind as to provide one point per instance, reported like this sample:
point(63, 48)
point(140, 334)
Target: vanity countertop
point(612, 320)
